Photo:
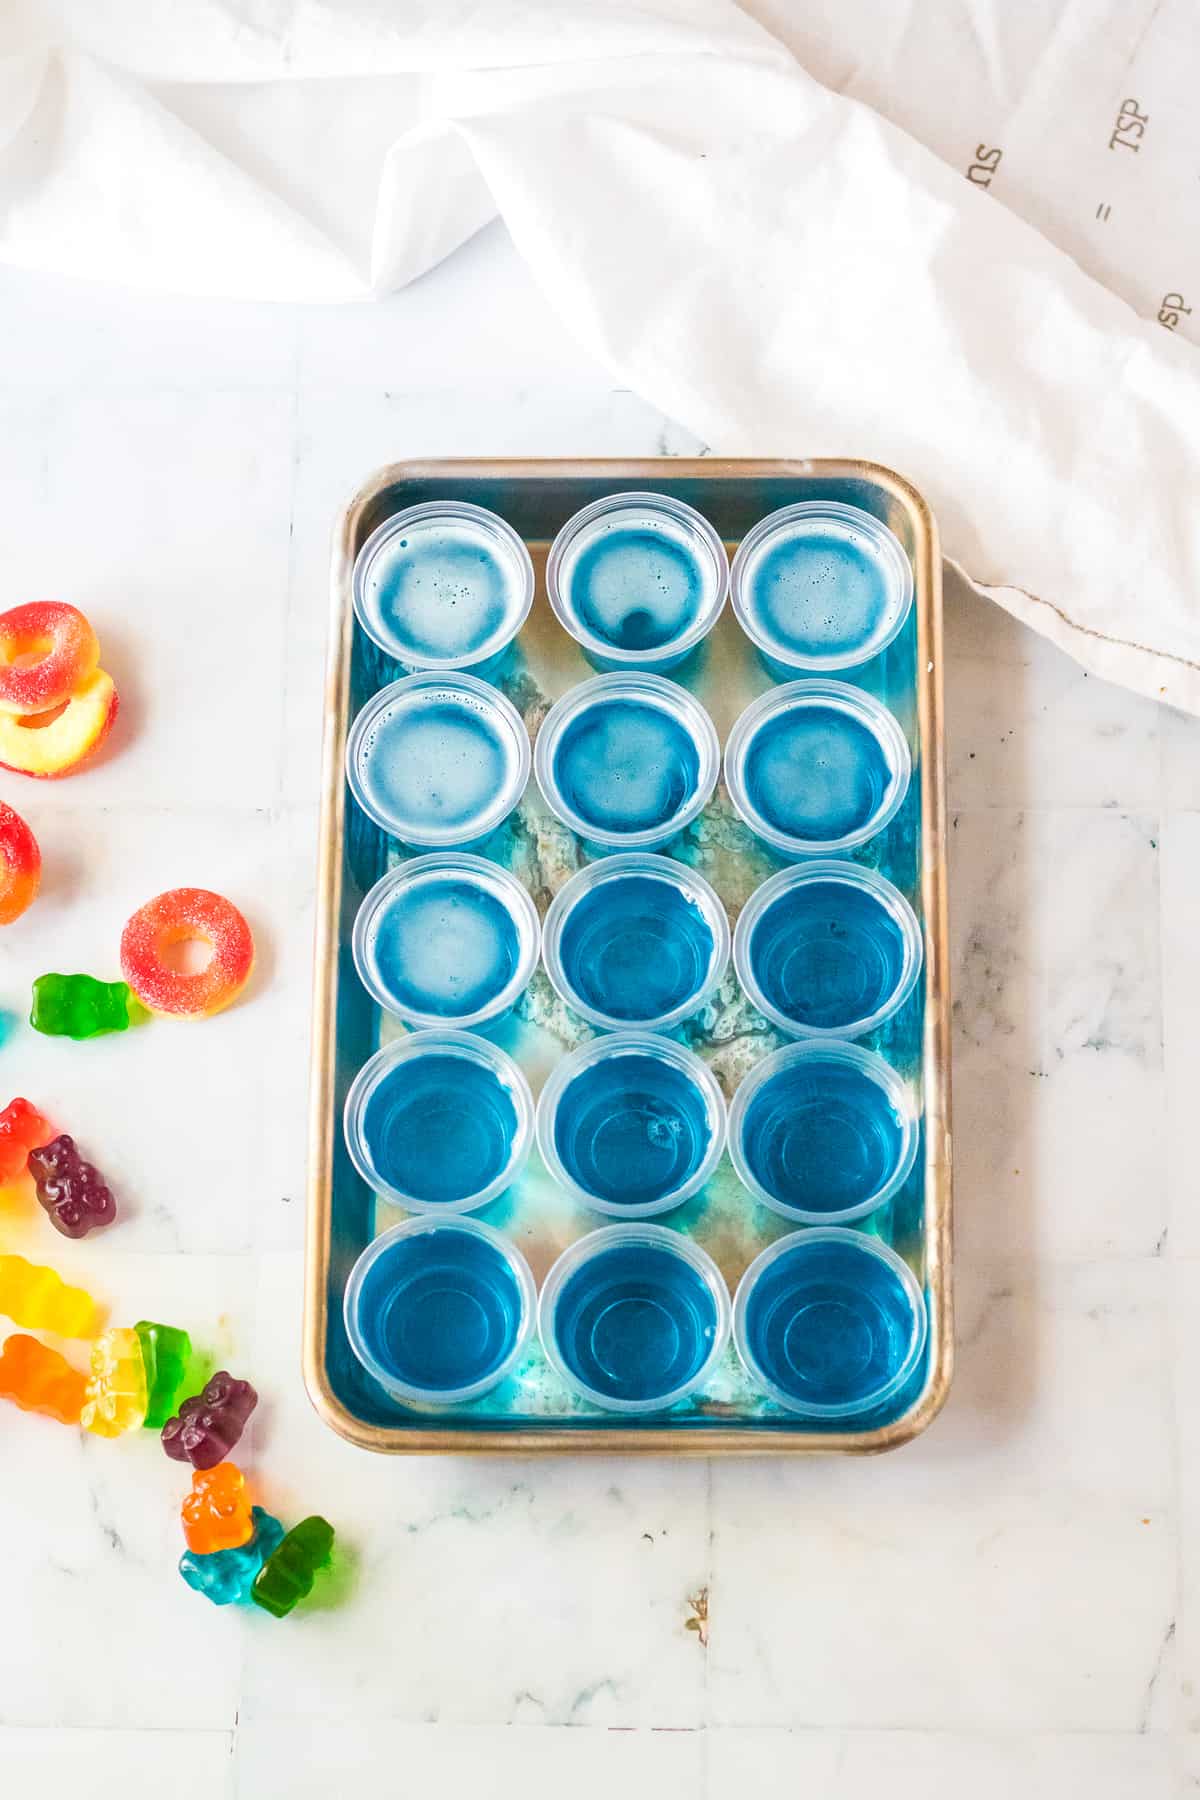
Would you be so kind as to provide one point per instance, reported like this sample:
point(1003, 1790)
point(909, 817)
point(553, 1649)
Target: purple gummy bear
point(207, 1426)
point(74, 1194)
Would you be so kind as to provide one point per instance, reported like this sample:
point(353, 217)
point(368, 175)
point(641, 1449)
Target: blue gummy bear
point(227, 1575)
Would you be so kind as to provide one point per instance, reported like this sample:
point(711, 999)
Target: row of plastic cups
point(822, 949)
point(829, 1323)
point(628, 762)
point(631, 1125)
point(638, 580)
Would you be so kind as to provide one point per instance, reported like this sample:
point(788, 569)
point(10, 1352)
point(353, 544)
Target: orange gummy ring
point(180, 916)
point(20, 865)
point(47, 650)
point(55, 742)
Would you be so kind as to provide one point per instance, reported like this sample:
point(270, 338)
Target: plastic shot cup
point(439, 1311)
point(634, 1317)
point(827, 949)
point(444, 586)
point(831, 1324)
point(631, 1124)
point(816, 767)
point(823, 1132)
point(447, 940)
point(635, 941)
point(438, 761)
point(819, 586)
point(439, 1122)
point(627, 761)
point(638, 580)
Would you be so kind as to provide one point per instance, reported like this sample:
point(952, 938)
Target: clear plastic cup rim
point(848, 874)
point(421, 1227)
point(897, 569)
point(651, 690)
point(411, 1048)
point(797, 1240)
point(706, 541)
point(455, 687)
point(616, 868)
point(501, 537)
point(631, 1043)
point(839, 696)
point(828, 1050)
point(501, 883)
point(596, 1243)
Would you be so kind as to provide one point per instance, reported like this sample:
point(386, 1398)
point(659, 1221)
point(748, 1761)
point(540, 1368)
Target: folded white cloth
point(779, 267)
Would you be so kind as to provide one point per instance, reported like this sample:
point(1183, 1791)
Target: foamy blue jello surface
point(443, 585)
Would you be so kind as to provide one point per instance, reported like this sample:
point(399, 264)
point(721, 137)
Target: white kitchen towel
point(777, 265)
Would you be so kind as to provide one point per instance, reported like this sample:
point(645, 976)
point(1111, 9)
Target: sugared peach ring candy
point(47, 650)
point(55, 742)
point(20, 865)
point(186, 915)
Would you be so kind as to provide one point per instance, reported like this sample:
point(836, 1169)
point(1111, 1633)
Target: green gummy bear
point(166, 1352)
point(287, 1575)
point(78, 1006)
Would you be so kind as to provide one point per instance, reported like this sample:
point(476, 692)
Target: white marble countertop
point(1008, 1606)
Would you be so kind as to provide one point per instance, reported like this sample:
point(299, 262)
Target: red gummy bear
point(22, 1128)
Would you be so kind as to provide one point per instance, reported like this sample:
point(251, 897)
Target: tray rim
point(731, 1439)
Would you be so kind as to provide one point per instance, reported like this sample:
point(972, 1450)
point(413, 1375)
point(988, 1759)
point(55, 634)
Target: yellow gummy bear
point(115, 1400)
point(33, 1295)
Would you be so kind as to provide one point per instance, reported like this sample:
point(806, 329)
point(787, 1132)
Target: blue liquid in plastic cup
point(438, 761)
point(627, 761)
point(632, 1124)
point(819, 586)
point(439, 1310)
point(445, 585)
point(829, 1323)
point(636, 941)
point(638, 580)
point(827, 949)
point(823, 1132)
point(634, 1317)
point(815, 767)
point(439, 1122)
point(447, 940)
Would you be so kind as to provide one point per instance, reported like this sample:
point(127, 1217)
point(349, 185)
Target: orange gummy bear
point(38, 1379)
point(216, 1514)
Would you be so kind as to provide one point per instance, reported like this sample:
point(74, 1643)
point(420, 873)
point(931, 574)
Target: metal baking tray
point(532, 1412)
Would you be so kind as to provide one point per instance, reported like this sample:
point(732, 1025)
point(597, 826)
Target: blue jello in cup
point(638, 580)
point(438, 760)
point(444, 585)
point(829, 1323)
point(815, 767)
point(636, 941)
point(820, 586)
point(439, 1121)
point(631, 1124)
point(447, 940)
point(439, 1310)
point(627, 761)
point(826, 949)
point(823, 1132)
point(634, 1317)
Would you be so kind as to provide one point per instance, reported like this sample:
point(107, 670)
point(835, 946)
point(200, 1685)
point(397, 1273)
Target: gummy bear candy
point(166, 1352)
point(216, 1514)
point(40, 1380)
point(22, 1128)
point(116, 1389)
point(20, 865)
point(287, 1575)
point(33, 1295)
point(210, 1424)
point(75, 1194)
point(226, 1575)
point(78, 1006)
